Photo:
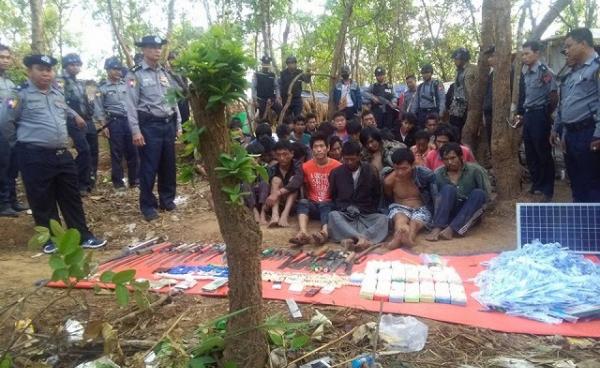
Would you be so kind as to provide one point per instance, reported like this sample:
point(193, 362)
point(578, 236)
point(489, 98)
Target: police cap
point(266, 60)
point(379, 71)
point(147, 41)
point(112, 63)
point(69, 59)
point(461, 54)
point(291, 60)
point(427, 68)
point(490, 50)
point(39, 59)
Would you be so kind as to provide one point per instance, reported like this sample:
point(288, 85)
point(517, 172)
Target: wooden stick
point(322, 347)
point(168, 331)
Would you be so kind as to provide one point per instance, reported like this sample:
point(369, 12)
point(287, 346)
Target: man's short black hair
point(351, 148)
point(283, 144)
point(300, 151)
point(338, 113)
point(410, 117)
point(447, 131)
point(326, 129)
point(353, 127)
point(365, 113)
point(282, 130)
point(3, 47)
point(318, 137)
point(368, 133)
point(432, 116)
point(263, 129)
point(310, 115)
point(255, 148)
point(451, 147)
point(535, 46)
point(403, 155)
point(334, 139)
point(299, 118)
point(267, 142)
point(410, 76)
point(582, 35)
point(421, 134)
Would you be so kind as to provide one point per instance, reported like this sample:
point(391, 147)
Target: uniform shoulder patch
point(136, 68)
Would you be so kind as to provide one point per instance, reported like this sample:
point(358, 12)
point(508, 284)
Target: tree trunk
point(37, 26)
point(518, 63)
point(435, 41)
point(547, 20)
point(207, 10)
point(338, 55)
point(121, 42)
point(170, 19)
point(243, 238)
point(286, 32)
point(505, 140)
point(471, 131)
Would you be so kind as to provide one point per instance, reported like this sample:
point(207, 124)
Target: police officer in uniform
point(9, 206)
point(383, 101)
point(464, 85)
point(346, 94)
point(538, 99)
point(430, 97)
point(154, 124)
point(286, 77)
point(81, 127)
point(265, 89)
point(39, 112)
point(578, 121)
point(112, 114)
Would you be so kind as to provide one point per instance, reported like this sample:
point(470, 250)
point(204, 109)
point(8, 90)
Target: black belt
point(428, 109)
point(116, 117)
point(580, 125)
point(35, 147)
point(535, 108)
point(149, 118)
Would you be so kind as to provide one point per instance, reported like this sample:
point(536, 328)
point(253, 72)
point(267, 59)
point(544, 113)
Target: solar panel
point(573, 225)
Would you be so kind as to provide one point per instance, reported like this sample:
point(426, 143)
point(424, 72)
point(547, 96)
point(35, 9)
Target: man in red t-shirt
point(443, 135)
point(317, 202)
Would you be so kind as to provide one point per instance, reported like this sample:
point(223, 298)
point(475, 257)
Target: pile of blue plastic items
point(207, 270)
point(543, 282)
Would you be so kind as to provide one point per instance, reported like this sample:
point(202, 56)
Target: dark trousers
point(92, 140)
point(385, 119)
point(487, 121)
point(538, 151)
point(460, 215)
point(122, 148)
point(583, 165)
point(50, 178)
point(296, 106)
point(458, 122)
point(157, 158)
point(350, 112)
point(4, 165)
point(84, 158)
point(262, 106)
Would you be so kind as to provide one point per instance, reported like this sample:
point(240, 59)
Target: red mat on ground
point(348, 296)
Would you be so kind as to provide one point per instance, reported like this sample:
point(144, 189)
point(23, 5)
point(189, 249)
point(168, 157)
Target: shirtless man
point(286, 179)
point(412, 189)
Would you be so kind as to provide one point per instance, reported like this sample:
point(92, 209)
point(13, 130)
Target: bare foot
point(274, 222)
point(434, 235)
point(348, 244)
point(283, 222)
point(396, 241)
point(263, 221)
point(447, 233)
point(363, 243)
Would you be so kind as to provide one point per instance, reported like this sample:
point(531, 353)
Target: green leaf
point(69, 242)
point(76, 257)
point(41, 236)
point(122, 295)
point(276, 337)
point(76, 271)
point(140, 299)
point(202, 361)
point(123, 276)
point(56, 227)
point(210, 344)
point(141, 285)
point(61, 274)
point(107, 276)
point(299, 342)
point(6, 362)
point(56, 262)
point(230, 365)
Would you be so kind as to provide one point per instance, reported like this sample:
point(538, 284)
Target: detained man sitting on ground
point(412, 189)
point(464, 189)
point(317, 203)
point(444, 134)
point(378, 151)
point(355, 189)
point(286, 179)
